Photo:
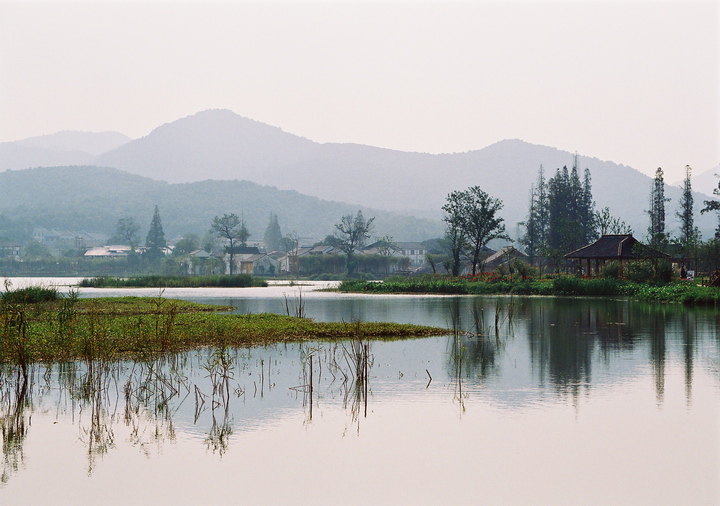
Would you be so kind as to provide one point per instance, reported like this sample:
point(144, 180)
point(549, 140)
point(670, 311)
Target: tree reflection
point(14, 420)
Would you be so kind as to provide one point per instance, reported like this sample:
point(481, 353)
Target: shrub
point(30, 295)
point(567, 285)
point(611, 270)
point(640, 271)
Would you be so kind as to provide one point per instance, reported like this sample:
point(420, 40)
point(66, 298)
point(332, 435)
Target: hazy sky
point(632, 82)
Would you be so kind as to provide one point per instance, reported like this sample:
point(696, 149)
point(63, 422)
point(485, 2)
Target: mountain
point(215, 144)
point(94, 143)
point(219, 144)
point(94, 198)
point(62, 148)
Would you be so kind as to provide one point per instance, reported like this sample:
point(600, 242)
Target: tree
point(155, 240)
point(689, 234)
point(186, 245)
point(481, 222)
point(455, 231)
point(126, 232)
point(36, 250)
point(386, 246)
point(605, 223)
point(351, 234)
point(656, 231)
point(570, 212)
point(273, 235)
point(231, 228)
point(714, 205)
point(586, 211)
point(536, 224)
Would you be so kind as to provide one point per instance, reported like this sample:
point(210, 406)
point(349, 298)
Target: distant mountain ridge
point(61, 148)
point(221, 145)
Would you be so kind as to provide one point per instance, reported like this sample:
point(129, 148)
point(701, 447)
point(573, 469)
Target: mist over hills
point(704, 182)
point(93, 143)
point(94, 198)
point(61, 148)
point(221, 145)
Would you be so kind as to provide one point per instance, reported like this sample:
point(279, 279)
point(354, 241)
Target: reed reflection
point(15, 408)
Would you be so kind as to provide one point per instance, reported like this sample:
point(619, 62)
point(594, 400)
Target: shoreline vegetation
point(39, 325)
point(222, 281)
point(685, 292)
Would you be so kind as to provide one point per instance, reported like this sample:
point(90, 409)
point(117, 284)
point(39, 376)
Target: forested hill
point(94, 198)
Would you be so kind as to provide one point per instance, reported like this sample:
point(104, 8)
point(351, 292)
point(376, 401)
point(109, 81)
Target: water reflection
point(14, 419)
point(512, 351)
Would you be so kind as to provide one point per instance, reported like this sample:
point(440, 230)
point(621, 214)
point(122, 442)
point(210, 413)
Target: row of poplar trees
point(561, 215)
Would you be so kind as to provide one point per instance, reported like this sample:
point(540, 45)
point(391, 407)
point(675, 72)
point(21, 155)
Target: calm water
point(538, 401)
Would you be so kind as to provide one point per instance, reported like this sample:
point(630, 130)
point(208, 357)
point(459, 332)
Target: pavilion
point(613, 248)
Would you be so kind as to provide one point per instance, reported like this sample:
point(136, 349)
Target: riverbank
point(224, 281)
point(684, 292)
point(140, 328)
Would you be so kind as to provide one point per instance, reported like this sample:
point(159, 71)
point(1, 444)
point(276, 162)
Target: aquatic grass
point(680, 291)
point(143, 328)
point(30, 295)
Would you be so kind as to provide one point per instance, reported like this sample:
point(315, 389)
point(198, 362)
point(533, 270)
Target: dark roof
point(616, 247)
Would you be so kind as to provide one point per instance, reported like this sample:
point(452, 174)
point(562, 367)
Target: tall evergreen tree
point(689, 234)
point(531, 239)
point(535, 239)
point(571, 216)
point(273, 235)
point(656, 231)
point(587, 209)
point(155, 240)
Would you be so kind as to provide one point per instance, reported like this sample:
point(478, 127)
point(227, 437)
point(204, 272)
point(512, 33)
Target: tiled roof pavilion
point(619, 247)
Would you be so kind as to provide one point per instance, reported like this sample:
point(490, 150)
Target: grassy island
point(685, 292)
point(70, 328)
point(224, 281)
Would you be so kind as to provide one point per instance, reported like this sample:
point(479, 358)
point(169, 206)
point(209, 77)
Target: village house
point(502, 257)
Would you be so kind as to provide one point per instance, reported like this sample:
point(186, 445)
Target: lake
point(527, 400)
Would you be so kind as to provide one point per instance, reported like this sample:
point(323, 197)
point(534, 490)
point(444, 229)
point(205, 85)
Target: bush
point(611, 270)
point(640, 271)
point(567, 285)
point(31, 295)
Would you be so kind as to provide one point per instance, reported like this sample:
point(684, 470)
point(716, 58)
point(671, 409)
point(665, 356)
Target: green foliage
point(656, 231)
point(155, 240)
point(681, 291)
point(36, 250)
point(273, 235)
point(188, 244)
point(30, 295)
point(571, 219)
point(611, 270)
